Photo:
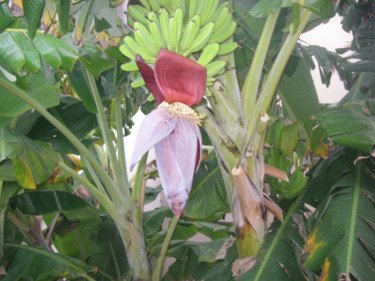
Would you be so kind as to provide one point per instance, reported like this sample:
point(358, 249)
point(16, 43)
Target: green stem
point(120, 137)
point(99, 195)
point(115, 261)
point(225, 146)
point(138, 188)
point(130, 235)
point(156, 275)
point(269, 88)
point(252, 82)
point(354, 217)
point(123, 194)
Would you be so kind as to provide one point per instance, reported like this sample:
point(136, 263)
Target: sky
point(330, 36)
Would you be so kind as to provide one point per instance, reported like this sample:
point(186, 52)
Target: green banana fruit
point(208, 9)
point(164, 26)
point(189, 35)
point(146, 42)
point(136, 49)
point(215, 68)
point(179, 16)
point(173, 38)
point(192, 7)
point(145, 3)
point(156, 35)
point(137, 83)
point(138, 13)
point(217, 14)
point(223, 18)
point(202, 38)
point(227, 48)
point(297, 183)
point(127, 52)
point(154, 5)
point(130, 66)
point(223, 34)
point(208, 54)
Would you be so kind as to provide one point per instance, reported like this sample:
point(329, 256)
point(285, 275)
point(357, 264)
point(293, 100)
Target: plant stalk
point(138, 189)
point(252, 81)
point(120, 137)
point(123, 193)
point(156, 275)
point(269, 88)
point(132, 239)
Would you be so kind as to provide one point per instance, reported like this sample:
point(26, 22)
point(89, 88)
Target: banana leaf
point(342, 239)
point(33, 263)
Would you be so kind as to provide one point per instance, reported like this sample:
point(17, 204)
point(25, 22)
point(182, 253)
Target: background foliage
point(51, 227)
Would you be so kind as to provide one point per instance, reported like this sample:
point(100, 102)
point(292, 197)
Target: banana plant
point(237, 128)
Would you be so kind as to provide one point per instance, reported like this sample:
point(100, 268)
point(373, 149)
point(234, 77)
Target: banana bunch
point(276, 157)
point(297, 182)
point(193, 28)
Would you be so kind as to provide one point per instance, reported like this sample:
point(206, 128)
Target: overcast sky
point(331, 36)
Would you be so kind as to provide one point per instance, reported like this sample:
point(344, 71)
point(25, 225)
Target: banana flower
point(177, 83)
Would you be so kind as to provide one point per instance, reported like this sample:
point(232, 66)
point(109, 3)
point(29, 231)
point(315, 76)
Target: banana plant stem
point(138, 190)
point(252, 81)
point(120, 137)
point(273, 79)
point(156, 275)
point(99, 195)
point(134, 244)
point(123, 193)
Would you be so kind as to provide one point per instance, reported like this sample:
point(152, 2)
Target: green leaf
point(7, 137)
point(6, 170)
point(56, 51)
point(342, 241)
point(298, 92)
point(6, 17)
point(40, 202)
point(350, 127)
point(34, 162)
point(289, 138)
point(32, 263)
point(153, 220)
point(213, 250)
point(265, 7)
point(10, 52)
point(323, 8)
point(32, 59)
point(33, 13)
point(78, 80)
point(279, 256)
point(63, 11)
point(363, 89)
point(95, 61)
point(41, 91)
point(208, 192)
point(69, 111)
